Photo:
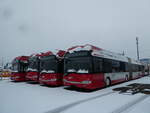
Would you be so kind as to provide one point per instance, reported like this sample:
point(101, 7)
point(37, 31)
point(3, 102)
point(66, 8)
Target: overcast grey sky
point(29, 26)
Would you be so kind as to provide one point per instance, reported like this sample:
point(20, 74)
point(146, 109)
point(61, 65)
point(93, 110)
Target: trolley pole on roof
point(137, 44)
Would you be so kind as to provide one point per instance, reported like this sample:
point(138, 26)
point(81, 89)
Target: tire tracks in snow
point(129, 105)
point(68, 106)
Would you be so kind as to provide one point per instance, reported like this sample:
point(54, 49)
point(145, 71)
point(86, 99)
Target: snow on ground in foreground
point(22, 97)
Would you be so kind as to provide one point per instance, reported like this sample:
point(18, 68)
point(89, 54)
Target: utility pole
point(137, 45)
point(2, 61)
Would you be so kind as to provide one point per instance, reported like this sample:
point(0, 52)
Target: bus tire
point(108, 82)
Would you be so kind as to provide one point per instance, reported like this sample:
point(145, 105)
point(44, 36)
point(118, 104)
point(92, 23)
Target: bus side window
point(115, 66)
point(127, 67)
point(107, 66)
point(135, 68)
point(122, 66)
point(97, 65)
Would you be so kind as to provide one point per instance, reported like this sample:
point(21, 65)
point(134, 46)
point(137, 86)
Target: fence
point(5, 74)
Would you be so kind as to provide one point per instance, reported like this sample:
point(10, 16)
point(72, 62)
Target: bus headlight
point(86, 82)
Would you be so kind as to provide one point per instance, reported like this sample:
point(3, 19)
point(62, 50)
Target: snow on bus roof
point(110, 55)
point(61, 53)
point(48, 53)
point(58, 53)
point(86, 47)
point(36, 55)
point(99, 52)
point(22, 58)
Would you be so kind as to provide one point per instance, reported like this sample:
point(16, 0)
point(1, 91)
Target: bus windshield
point(78, 62)
point(49, 64)
point(15, 66)
point(18, 66)
point(33, 64)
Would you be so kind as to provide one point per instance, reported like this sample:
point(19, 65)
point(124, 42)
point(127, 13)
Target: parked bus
point(52, 68)
point(33, 70)
point(147, 69)
point(90, 67)
point(146, 62)
point(19, 67)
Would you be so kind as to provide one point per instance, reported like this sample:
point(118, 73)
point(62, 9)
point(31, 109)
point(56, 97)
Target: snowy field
point(22, 97)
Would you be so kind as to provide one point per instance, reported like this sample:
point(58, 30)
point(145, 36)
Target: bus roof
point(57, 53)
point(22, 58)
point(99, 52)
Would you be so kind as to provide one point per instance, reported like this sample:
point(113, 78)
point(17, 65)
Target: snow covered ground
point(22, 97)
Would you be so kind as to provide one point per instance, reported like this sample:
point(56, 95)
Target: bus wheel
point(126, 78)
point(108, 82)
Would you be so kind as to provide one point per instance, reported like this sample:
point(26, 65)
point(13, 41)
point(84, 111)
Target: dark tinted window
point(135, 68)
point(122, 66)
point(97, 65)
point(128, 67)
point(19, 66)
point(110, 66)
point(23, 67)
point(15, 66)
point(107, 66)
point(78, 63)
point(115, 66)
point(78, 54)
point(34, 63)
point(52, 63)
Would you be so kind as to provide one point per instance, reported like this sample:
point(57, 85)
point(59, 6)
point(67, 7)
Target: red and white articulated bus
point(52, 66)
point(33, 70)
point(19, 67)
point(90, 67)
